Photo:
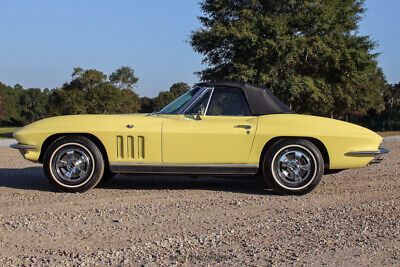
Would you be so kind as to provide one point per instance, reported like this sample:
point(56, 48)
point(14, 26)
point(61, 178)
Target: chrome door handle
point(247, 127)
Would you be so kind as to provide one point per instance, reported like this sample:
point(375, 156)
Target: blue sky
point(42, 41)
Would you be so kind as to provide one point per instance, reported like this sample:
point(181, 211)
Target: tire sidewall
point(270, 172)
point(97, 170)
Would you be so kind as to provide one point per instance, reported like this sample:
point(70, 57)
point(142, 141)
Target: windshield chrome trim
point(183, 106)
point(194, 97)
point(194, 100)
point(208, 102)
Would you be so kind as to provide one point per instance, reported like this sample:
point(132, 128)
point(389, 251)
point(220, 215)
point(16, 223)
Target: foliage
point(1, 106)
point(392, 97)
point(179, 89)
point(166, 97)
point(307, 52)
point(124, 78)
point(90, 92)
point(146, 105)
point(33, 105)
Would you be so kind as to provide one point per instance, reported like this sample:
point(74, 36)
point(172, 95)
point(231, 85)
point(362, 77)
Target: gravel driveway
point(6, 142)
point(352, 218)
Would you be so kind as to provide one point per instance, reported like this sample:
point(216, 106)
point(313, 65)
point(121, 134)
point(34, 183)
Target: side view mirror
point(201, 112)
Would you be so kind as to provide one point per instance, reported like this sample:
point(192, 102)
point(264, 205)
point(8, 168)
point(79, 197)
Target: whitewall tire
point(73, 164)
point(293, 166)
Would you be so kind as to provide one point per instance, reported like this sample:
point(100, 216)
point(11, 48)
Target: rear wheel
point(73, 164)
point(293, 166)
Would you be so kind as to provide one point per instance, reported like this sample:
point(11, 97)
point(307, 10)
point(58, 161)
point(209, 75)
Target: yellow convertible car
point(217, 128)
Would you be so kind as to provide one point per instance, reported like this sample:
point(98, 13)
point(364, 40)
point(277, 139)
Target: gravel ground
point(351, 218)
point(6, 141)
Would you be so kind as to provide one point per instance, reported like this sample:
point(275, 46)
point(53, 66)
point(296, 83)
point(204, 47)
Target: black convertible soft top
point(260, 99)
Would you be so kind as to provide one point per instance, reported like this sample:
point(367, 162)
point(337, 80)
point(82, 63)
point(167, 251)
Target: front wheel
point(293, 166)
point(73, 164)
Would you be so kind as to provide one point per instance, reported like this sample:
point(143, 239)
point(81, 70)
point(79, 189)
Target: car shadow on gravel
point(32, 178)
point(236, 185)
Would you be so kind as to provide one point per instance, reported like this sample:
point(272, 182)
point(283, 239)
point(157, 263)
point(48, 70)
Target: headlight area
point(16, 132)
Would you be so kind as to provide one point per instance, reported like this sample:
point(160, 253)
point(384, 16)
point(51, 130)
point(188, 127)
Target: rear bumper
point(368, 153)
point(377, 155)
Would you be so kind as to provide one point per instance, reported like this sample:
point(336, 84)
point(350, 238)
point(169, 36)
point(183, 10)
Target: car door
point(224, 135)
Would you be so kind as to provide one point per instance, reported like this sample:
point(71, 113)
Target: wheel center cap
point(71, 166)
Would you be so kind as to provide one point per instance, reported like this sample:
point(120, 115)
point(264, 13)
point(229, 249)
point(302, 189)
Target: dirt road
point(352, 218)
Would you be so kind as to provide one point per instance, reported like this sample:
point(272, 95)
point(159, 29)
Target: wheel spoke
point(61, 164)
point(296, 175)
point(84, 159)
point(298, 155)
point(71, 155)
point(306, 167)
point(294, 166)
point(82, 174)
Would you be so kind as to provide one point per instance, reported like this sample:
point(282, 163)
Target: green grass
point(6, 132)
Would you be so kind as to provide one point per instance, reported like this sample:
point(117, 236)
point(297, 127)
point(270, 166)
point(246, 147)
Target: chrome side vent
point(130, 147)
point(120, 147)
point(141, 150)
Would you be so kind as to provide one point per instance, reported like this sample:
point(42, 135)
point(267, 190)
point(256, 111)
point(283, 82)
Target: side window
point(201, 103)
point(228, 102)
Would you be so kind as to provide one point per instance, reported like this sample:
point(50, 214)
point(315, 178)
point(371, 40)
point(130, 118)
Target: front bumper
point(376, 154)
point(22, 147)
point(29, 152)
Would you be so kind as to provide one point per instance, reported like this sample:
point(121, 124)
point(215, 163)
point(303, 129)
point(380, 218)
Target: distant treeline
point(386, 118)
point(93, 92)
point(89, 92)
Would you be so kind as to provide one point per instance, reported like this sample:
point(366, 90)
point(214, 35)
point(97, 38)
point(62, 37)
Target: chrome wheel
point(294, 166)
point(72, 164)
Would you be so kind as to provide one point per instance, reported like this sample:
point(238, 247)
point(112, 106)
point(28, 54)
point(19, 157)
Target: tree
point(179, 88)
point(307, 52)
point(163, 99)
point(90, 92)
point(129, 102)
point(1, 106)
point(124, 78)
point(33, 103)
point(146, 105)
point(11, 110)
point(166, 97)
point(392, 96)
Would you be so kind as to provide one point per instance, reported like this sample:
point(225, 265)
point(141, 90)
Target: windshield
point(176, 105)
